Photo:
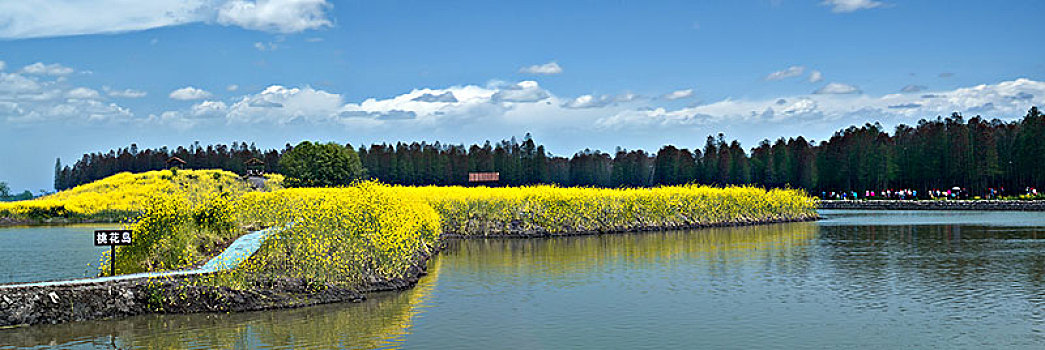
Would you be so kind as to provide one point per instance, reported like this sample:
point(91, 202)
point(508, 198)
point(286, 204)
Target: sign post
point(484, 177)
point(112, 238)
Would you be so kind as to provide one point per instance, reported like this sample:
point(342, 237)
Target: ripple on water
point(849, 282)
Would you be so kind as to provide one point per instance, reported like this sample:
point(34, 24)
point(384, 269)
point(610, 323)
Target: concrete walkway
point(236, 253)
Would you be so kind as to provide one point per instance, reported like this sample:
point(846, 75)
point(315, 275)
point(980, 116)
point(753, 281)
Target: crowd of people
point(954, 193)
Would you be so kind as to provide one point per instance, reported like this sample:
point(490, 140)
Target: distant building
point(175, 162)
point(255, 167)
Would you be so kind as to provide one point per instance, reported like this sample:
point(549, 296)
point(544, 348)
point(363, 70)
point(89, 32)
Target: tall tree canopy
point(320, 165)
point(933, 154)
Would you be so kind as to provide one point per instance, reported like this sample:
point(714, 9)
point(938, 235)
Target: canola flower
point(368, 231)
point(346, 235)
point(122, 196)
point(480, 211)
point(338, 235)
point(179, 216)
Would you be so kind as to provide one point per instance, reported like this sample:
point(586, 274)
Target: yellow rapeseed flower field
point(481, 211)
point(348, 234)
point(124, 194)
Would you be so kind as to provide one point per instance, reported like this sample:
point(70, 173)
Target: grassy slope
point(122, 196)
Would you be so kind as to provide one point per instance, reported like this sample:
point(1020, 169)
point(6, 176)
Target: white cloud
point(280, 105)
point(837, 88)
point(174, 119)
point(282, 16)
point(31, 99)
point(17, 83)
point(913, 88)
point(815, 76)
point(127, 93)
point(2, 65)
point(524, 91)
point(792, 71)
point(457, 105)
point(39, 68)
point(446, 97)
point(678, 94)
point(589, 101)
point(82, 93)
point(626, 97)
point(394, 114)
point(507, 108)
point(846, 6)
point(265, 46)
point(209, 108)
point(232, 87)
point(48, 18)
point(189, 93)
point(829, 112)
point(549, 68)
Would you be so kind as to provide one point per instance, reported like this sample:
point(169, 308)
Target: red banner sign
point(484, 177)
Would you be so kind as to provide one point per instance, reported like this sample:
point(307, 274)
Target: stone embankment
point(515, 230)
point(1037, 205)
point(87, 301)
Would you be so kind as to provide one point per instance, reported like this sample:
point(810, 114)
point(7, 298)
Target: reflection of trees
point(967, 269)
point(560, 260)
point(378, 322)
point(387, 317)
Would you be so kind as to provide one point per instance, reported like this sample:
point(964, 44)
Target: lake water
point(41, 253)
point(857, 280)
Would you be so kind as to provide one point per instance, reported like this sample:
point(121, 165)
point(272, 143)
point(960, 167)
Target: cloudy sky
point(86, 76)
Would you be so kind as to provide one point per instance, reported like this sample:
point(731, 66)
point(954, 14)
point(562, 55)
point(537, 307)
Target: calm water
point(42, 253)
point(867, 280)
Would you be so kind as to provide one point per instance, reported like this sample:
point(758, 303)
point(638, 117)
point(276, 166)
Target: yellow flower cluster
point(338, 235)
point(345, 235)
point(341, 235)
point(471, 211)
point(179, 216)
point(124, 194)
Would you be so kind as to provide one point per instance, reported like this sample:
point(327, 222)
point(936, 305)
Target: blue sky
point(83, 76)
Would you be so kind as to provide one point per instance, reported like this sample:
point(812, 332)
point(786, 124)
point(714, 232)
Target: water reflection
point(569, 259)
point(975, 280)
point(859, 280)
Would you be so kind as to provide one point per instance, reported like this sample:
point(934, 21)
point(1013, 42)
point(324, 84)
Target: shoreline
point(993, 205)
point(524, 234)
point(25, 306)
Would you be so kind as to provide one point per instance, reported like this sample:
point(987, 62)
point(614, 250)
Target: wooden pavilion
point(175, 162)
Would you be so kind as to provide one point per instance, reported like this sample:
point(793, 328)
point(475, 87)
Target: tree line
point(6, 195)
point(96, 166)
point(933, 154)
